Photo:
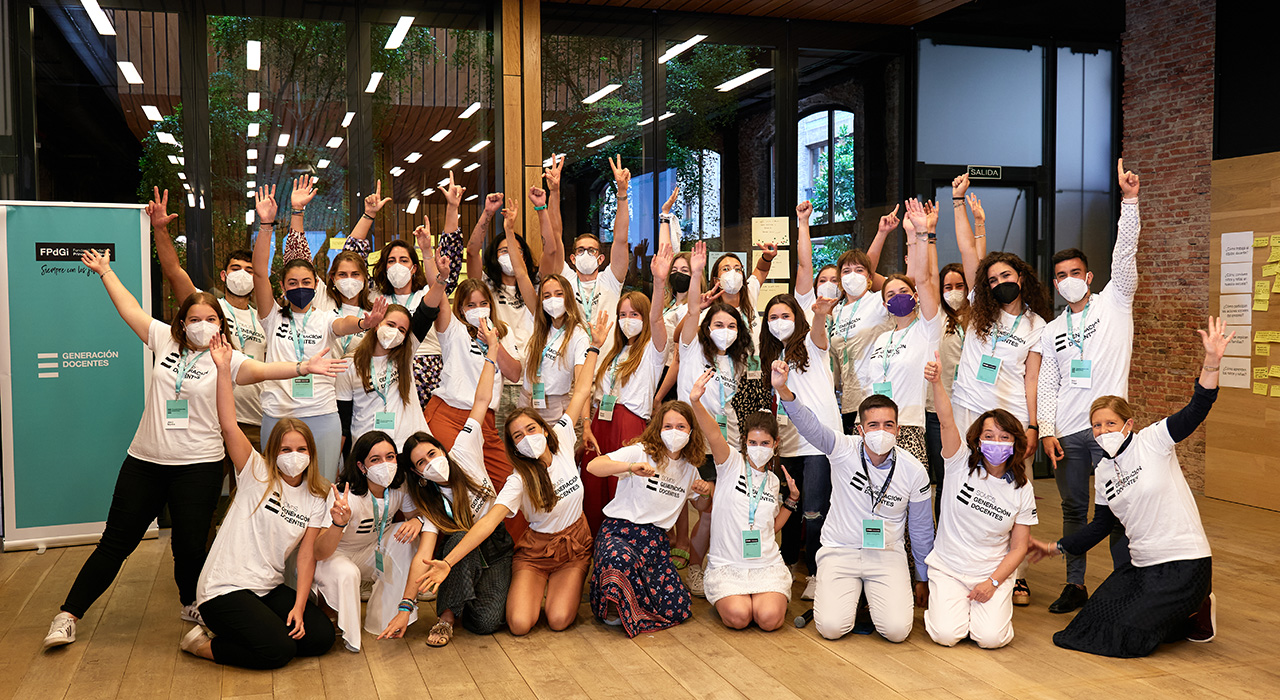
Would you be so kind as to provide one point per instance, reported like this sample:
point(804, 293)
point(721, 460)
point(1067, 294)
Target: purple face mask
point(997, 452)
point(901, 304)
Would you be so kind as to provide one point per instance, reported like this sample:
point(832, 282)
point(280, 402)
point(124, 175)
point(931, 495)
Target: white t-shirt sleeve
point(344, 385)
point(512, 494)
point(958, 464)
point(920, 490)
point(579, 342)
point(608, 282)
point(1160, 440)
point(1026, 506)
point(156, 333)
point(629, 454)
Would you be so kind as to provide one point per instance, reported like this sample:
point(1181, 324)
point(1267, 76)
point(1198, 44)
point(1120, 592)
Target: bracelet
point(543, 207)
point(957, 199)
point(1034, 427)
point(267, 224)
point(595, 350)
point(495, 364)
point(621, 196)
point(360, 323)
point(407, 605)
point(933, 235)
point(1209, 369)
point(365, 215)
point(344, 524)
point(299, 212)
point(103, 275)
point(297, 367)
point(976, 236)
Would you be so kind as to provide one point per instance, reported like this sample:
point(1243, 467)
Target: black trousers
point(142, 490)
point(251, 631)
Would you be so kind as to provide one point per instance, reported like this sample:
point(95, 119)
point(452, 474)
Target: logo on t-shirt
point(170, 362)
point(860, 482)
point(287, 511)
point(564, 487)
point(283, 331)
point(1062, 342)
point(365, 526)
point(980, 502)
point(1112, 488)
point(664, 487)
point(741, 488)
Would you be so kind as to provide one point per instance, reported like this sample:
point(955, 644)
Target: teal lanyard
point(299, 336)
point(1084, 319)
point(999, 337)
point(613, 369)
point(891, 348)
point(386, 379)
point(754, 495)
point(235, 325)
point(448, 507)
point(848, 331)
point(183, 368)
point(346, 339)
point(551, 341)
point(395, 299)
point(724, 411)
point(386, 519)
point(587, 305)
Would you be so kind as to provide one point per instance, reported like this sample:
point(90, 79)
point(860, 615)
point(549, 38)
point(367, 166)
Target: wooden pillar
point(522, 110)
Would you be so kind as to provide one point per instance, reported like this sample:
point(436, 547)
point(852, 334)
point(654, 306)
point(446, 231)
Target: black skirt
point(1139, 607)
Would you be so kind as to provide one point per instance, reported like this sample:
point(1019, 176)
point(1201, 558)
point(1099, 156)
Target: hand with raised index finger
point(793, 491)
point(889, 221)
point(374, 202)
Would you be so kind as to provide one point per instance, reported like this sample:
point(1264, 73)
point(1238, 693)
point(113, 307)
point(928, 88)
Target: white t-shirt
point(1108, 346)
point(978, 515)
point(365, 405)
point(852, 326)
point(277, 395)
point(346, 344)
point(249, 337)
point(431, 342)
point(909, 351)
point(670, 318)
point(515, 313)
point(556, 372)
point(464, 360)
point(852, 495)
point(360, 537)
point(718, 397)
point(637, 393)
point(255, 541)
point(1147, 492)
point(655, 500)
point(601, 293)
point(729, 516)
point(1010, 390)
point(201, 440)
point(564, 480)
point(815, 387)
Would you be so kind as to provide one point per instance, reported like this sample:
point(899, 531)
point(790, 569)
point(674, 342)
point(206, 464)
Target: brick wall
point(1167, 104)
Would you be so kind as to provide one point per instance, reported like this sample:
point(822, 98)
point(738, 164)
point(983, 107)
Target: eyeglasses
point(580, 250)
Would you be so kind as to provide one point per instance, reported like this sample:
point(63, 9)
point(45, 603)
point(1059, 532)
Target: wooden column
point(522, 110)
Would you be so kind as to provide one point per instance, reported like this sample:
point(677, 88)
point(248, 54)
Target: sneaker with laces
point(810, 588)
point(191, 613)
point(1021, 592)
point(193, 640)
point(62, 631)
point(1204, 623)
point(695, 580)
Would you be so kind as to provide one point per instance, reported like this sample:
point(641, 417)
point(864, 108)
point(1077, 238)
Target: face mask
point(390, 337)
point(731, 282)
point(675, 439)
point(292, 464)
point(782, 328)
point(504, 262)
point(901, 305)
point(880, 441)
point(997, 452)
point(1006, 292)
point(437, 469)
point(382, 473)
point(239, 282)
point(348, 287)
point(532, 445)
point(1072, 289)
point(475, 315)
point(1112, 442)
point(300, 296)
point(680, 282)
point(200, 332)
point(554, 306)
point(759, 455)
point(724, 337)
point(854, 283)
point(631, 327)
point(398, 275)
point(955, 298)
point(586, 263)
point(829, 290)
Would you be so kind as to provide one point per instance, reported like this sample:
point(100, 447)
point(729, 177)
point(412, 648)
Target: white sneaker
point(426, 596)
point(810, 587)
point(191, 613)
point(193, 640)
point(62, 631)
point(695, 580)
point(366, 591)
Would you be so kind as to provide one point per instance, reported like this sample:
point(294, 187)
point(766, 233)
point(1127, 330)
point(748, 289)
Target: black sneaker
point(1073, 598)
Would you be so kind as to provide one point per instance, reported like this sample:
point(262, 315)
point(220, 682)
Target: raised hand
point(453, 193)
point(157, 209)
point(933, 369)
point(1214, 339)
point(1128, 180)
point(600, 329)
point(621, 175)
point(700, 386)
point(552, 174)
point(660, 264)
point(793, 491)
point(98, 262)
point(778, 372)
point(960, 185)
point(327, 366)
point(340, 511)
point(537, 196)
point(698, 262)
point(930, 216)
point(220, 352)
point(442, 266)
point(702, 488)
point(422, 234)
point(671, 201)
point(975, 205)
point(916, 214)
point(304, 190)
point(710, 296)
point(492, 204)
point(888, 222)
point(770, 251)
point(509, 217)
point(823, 306)
point(804, 210)
point(265, 203)
point(489, 335)
point(374, 202)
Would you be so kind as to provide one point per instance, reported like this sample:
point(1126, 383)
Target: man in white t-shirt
point(1086, 352)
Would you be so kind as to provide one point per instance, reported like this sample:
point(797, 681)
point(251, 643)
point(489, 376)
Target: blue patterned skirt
point(633, 571)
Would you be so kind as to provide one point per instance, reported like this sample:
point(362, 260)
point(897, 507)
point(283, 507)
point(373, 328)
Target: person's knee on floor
point(559, 620)
point(734, 614)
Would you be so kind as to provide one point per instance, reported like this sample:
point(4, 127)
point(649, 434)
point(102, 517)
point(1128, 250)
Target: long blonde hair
point(316, 483)
point(542, 328)
point(640, 303)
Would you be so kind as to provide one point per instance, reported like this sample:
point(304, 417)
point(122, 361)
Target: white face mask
point(880, 441)
point(532, 445)
point(631, 327)
point(554, 306)
point(399, 275)
point(292, 464)
point(586, 263)
point(829, 290)
point(675, 439)
point(504, 262)
point(476, 314)
point(1072, 289)
point(724, 337)
point(348, 287)
point(731, 282)
point(782, 328)
point(759, 455)
point(1111, 442)
point(200, 332)
point(955, 298)
point(382, 473)
point(239, 282)
point(854, 283)
point(437, 470)
point(390, 337)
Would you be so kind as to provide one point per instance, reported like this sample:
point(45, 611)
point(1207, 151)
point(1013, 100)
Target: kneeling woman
point(987, 513)
point(279, 509)
point(553, 555)
point(746, 579)
point(1165, 596)
point(657, 474)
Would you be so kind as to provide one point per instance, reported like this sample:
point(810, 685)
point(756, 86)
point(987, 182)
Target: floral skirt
point(426, 375)
point(633, 571)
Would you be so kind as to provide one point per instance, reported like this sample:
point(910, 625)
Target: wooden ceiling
point(900, 12)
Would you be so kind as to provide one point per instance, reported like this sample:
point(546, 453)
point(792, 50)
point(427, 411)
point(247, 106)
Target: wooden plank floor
point(128, 645)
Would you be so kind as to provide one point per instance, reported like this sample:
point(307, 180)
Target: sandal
point(682, 555)
point(441, 629)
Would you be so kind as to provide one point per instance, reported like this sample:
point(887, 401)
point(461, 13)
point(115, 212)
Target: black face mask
point(680, 282)
point(1006, 292)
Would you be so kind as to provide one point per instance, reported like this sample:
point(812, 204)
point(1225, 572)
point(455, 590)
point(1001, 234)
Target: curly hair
point(984, 313)
point(651, 439)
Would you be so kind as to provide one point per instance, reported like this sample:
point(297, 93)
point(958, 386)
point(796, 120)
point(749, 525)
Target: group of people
point(501, 442)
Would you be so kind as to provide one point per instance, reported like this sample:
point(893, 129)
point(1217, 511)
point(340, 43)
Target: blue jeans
point(812, 474)
point(327, 432)
point(1081, 455)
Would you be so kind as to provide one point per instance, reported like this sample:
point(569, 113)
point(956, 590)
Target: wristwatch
point(994, 582)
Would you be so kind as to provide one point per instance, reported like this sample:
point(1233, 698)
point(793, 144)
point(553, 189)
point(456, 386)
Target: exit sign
point(985, 172)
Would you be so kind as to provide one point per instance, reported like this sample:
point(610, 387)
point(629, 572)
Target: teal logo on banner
point(76, 366)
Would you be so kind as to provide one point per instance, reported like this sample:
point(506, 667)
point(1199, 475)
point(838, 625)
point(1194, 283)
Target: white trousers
point(952, 616)
point(844, 573)
point(338, 580)
point(964, 418)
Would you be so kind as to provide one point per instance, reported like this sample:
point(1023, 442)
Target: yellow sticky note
point(1260, 388)
point(1261, 288)
point(1262, 349)
point(1274, 371)
point(1275, 391)
point(1270, 269)
point(1275, 254)
point(1275, 240)
point(1259, 372)
point(1261, 304)
point(1260, 242)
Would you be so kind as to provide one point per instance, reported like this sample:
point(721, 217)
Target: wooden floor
point(128, 645)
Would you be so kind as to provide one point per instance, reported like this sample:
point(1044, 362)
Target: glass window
point(1085, 172)
point(826, 174)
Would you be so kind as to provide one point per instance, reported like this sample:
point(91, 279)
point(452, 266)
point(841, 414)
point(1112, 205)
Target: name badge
point(539, 395)
point(1081, 374)
point(384, 420)
point(782, 414)
point(723, 421)
point(607, 403)
point(303, 387)
point(750, 544)
point(989, 369)
point(382, 565)
point(873, 533)
point(175, 414)
point(753, 367)
point(883, 388)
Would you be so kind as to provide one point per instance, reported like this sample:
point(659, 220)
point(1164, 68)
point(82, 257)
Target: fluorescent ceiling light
point(413, 206)
point(427, 191)
point(397, 171)
point(599, 94)
point(471, 167)
point(374, 79)
point(279, 159)
point(480, 145)
point(314, 180)
point(252, 170)
point(472, 109)
point(182, 161)
point(166, 137)
point(547, 125)
point(100, 21)
point(253, 55)
point(152, 113)
point(322, 163)
point(443, 182)
point(283, 140)
point(252, 154)
point(666, 116)
point(131, 74)
point(202, 201)
point(253, 130)
point(742, 79)
point(412, 157)
point(439, 135)
point(251, 184)
point(472, 197)
point(346, 121)
point(451, 162)
point(191, 199)
point(681, 48)
point(254, 101)
point(173, 159)
point(645, 122)
point(601, 141)
point(182, 176)
point(250, 194)
point(248, 218)
point(398, 34)
point(334, 142)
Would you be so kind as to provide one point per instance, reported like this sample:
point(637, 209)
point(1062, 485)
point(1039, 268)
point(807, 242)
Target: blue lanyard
point(183, 369)
point(448, 508)
point(346, 339)
point(890, 348)
point(1084, 320)
point(720, 381)
point(299, 339)
point(999, 337)
point(386, 379)
point(754, 495)
point(585, 305)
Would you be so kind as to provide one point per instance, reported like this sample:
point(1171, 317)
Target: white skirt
point(723, 581)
